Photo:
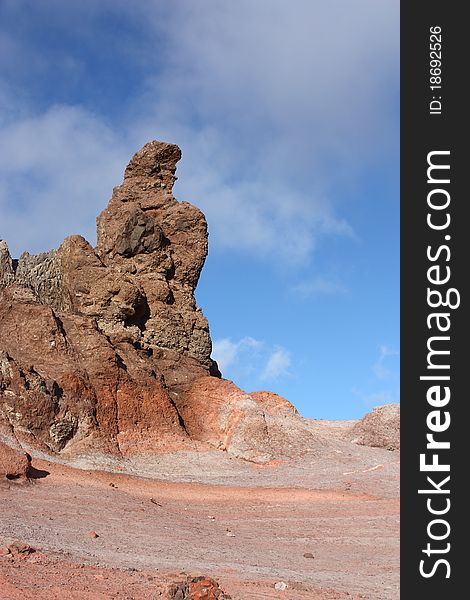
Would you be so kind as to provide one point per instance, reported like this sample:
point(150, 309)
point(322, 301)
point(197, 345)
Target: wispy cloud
point(251, 357)
point(381, 368)
point(383, 387)
point(57, 171)
point(319, 286)
point(226, 352)
point(277, 366)
point(377, 398)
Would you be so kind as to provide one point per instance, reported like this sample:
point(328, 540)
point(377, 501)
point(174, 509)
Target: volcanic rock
point(93, 535)
point(379, 428)
point(20, 549)
point(6, 265)
point(14, 464)
point(196, 588)
point(256, 427)
point(104, 349)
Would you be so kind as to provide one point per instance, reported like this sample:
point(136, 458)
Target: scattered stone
point(4, 551)
point(93, 534)
point(20, 548)
point(196, 588)
point(308, 555)
point(299, 586)
point(281, 585)
point(230, 534)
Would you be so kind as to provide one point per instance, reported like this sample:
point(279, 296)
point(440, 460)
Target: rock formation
point(104, 349)
point(379, 428)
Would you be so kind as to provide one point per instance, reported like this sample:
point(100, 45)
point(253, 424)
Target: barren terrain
point(324, 524)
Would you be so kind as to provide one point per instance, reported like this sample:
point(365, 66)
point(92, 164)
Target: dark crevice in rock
point(170, 299)
point(146, 351)
point(60, 326)
point(120, 362)
point(57, 391)
point(180, 418)
point(170, 273)
point(140, 235)
point(141, 314)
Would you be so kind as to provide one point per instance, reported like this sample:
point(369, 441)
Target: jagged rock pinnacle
point(105, 350)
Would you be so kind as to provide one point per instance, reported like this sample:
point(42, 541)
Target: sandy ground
point(326, 526)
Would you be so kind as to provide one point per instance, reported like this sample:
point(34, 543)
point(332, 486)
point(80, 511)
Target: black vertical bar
point(433, 120)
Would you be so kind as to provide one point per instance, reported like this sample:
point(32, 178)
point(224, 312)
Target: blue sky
point(287, 116)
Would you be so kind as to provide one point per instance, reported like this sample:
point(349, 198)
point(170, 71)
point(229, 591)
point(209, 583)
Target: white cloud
point(57, 171)
point(249, 357)
point(226, 352)
point(261, 218)
point(271, 104)
point(277, 366)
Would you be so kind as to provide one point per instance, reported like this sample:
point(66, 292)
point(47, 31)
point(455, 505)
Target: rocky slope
point(105, 350)
point(379, 428)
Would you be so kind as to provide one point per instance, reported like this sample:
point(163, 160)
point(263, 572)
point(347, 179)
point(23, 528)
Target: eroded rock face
point(105, 349)
point(94, 341)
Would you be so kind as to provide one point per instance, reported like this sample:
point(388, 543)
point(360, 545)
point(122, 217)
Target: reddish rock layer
point(104, 349)
point(196, 588)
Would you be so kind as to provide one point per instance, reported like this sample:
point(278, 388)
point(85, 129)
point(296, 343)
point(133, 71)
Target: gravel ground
point(327, 526)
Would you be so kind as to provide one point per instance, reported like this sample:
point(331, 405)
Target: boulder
point(14, 464)
point(379, 428)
